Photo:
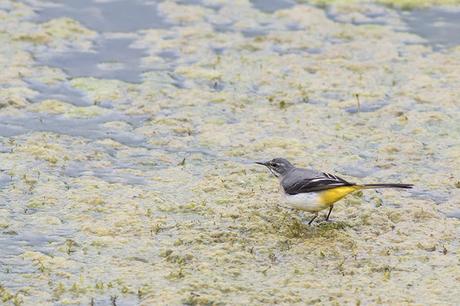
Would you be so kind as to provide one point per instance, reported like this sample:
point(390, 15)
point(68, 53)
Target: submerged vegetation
point(117, 192)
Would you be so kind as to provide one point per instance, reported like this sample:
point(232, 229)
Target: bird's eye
point(275, 165)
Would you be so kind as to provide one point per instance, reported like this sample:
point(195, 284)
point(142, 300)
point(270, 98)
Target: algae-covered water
point(128, 132)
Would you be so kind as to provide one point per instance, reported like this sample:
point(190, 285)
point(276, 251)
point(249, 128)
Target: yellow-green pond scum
point(148, 195)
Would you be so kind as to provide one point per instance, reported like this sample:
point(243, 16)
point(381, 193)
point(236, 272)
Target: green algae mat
point(128, 132)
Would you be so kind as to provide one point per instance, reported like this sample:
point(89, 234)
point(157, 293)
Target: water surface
point(127, 149)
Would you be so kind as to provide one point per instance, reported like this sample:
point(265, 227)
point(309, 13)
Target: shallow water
point(103, 16)
point(127, 149)
point(437, 25)
point(110, 58)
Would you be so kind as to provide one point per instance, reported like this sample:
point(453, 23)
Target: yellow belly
point(330, 196)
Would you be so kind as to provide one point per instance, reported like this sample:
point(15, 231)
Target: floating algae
point(145, 192)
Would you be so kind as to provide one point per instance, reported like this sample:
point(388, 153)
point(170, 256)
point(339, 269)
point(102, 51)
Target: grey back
point(299, 174)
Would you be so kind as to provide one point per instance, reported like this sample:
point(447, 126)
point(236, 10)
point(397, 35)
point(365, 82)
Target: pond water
point(129, 131)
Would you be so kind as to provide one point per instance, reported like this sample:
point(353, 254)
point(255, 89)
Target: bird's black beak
point(267, 164)
point(262, 163)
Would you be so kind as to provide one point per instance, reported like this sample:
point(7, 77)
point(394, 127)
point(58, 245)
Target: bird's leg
point(314, 217)
point(329, 213)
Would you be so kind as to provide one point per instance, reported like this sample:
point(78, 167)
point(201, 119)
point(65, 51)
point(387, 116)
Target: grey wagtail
point(313, 191)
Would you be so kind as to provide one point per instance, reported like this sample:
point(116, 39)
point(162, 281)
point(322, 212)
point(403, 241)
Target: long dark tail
point(371, 186)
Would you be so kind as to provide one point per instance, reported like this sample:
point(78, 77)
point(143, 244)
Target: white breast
point(305, 201)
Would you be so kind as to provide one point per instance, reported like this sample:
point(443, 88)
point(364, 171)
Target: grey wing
point(310, 181)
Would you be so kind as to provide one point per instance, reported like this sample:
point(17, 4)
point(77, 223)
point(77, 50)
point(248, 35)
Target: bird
point(313, 191)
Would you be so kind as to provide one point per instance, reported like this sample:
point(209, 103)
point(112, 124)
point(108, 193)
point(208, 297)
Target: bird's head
point(277, 166)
